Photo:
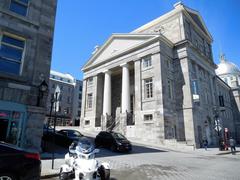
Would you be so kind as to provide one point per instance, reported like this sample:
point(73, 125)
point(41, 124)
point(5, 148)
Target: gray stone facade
point(20, 95)
point(173, 97)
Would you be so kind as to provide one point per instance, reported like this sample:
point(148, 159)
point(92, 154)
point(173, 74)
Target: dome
point(225, 67)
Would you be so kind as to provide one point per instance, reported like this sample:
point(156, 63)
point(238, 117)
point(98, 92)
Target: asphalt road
point(153, 164)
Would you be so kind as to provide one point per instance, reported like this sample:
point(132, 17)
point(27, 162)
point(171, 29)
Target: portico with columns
point(114, 93)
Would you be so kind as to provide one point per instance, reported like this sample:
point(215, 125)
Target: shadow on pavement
point(59, 151)
point(229, 152)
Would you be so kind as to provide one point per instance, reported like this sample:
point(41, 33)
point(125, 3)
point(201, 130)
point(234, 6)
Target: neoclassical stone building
point(157, 83)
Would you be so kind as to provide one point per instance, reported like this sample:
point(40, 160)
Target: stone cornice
point(148, 42)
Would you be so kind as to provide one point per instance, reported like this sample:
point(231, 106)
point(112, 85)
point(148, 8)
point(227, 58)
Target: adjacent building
point(26, 38)
point(230, 74)
point(158, 84)
point(69, 105)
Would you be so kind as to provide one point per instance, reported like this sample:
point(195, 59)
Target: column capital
point(107, 71)
point(124, 65)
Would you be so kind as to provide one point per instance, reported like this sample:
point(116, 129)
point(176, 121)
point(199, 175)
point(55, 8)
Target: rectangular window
point(195, 87)
point(19, 6)
point(80, 96)
point(89, 101)
point(148, 84)
point(147, 61)
point(170, 88)
point(148, 117)
point(87, 122)
point(79, 113)
point(221, 101)
point(69, 100)
point(11, 54)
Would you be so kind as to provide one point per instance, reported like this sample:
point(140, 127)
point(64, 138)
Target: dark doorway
point(3, 129)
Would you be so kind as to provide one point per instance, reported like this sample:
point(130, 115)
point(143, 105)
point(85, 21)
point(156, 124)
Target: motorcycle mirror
point(96, 151)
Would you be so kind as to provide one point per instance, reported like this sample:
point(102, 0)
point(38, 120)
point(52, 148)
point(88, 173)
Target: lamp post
point(55, 101)
point(42, 88)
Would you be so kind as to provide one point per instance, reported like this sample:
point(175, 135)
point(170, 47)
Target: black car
point(113, 140)
point(63, 137)
point(18, 164)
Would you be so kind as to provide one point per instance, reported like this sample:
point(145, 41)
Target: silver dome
point(225, 67)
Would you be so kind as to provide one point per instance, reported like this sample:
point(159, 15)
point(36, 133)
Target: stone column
point(83, 107)
point(125, 88)
point(107, 104)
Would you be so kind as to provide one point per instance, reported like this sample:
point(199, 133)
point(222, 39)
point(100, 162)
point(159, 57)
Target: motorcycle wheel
point(104, 173)
point(63, 175)
point(7, 176)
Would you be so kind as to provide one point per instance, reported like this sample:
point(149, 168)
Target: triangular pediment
point(196, 17)
point(116, 45)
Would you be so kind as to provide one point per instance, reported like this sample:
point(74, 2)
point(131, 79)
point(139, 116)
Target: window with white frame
point(89, 101)
point(11, 53)
point(19, 6)
point(147, 61)
point(170, 88)
point(148, 84)
point(148, 117)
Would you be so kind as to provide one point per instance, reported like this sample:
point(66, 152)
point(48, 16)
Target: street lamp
point(42, 88)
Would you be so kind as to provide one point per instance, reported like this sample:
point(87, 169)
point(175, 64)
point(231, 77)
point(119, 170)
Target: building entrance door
point(3, 127)
point(10, 126)
point(4, 120)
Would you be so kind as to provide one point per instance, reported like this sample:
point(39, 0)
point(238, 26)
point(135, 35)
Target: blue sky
point(82, 24)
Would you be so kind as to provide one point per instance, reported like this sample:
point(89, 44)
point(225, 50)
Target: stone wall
point(37, 29)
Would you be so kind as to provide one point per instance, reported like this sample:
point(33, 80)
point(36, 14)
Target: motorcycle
point(80, 163)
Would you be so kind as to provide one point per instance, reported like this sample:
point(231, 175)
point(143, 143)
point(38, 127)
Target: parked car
point(113, 140)
point(63, 137)
point(18, 164)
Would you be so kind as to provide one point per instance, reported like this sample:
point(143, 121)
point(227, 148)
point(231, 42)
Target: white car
point(80, 163)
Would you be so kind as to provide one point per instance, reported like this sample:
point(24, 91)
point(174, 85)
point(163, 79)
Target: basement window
point(148, 117)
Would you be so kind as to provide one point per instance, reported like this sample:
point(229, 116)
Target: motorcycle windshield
point(85, 146)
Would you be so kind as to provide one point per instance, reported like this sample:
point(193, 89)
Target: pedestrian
point(205, 144)
point(232, 144)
